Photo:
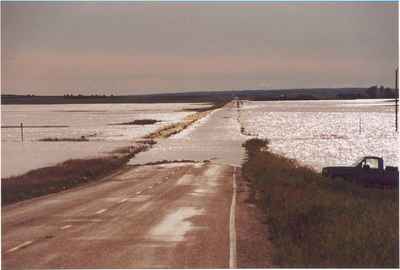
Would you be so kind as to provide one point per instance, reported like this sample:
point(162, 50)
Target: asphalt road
point(164, 216)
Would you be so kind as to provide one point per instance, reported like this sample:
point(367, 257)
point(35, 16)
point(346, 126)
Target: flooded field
point(317, 133)
point(325, 133)
point(98, 123)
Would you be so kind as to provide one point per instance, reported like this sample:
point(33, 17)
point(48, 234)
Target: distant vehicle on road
point(369, 171)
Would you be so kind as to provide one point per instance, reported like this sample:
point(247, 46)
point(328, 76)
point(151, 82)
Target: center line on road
point(66, 227)
point(232, 227)
point(101, 211)
point(24, 244)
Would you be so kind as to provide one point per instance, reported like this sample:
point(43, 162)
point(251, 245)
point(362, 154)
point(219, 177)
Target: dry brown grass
point(317, 222)
point(80, 139)
point(134, 149)
point(56, 178)
point(212, 106)
point(137, 122)
point(170, 130)
point(65, 175)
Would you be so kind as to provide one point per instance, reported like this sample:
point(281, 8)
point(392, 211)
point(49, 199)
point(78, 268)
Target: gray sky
point(136, 48)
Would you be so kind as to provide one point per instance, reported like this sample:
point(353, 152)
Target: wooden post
point(396, 89)
point(22, 132)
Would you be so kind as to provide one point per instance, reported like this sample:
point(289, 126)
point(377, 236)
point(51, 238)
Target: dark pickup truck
point(369, 171)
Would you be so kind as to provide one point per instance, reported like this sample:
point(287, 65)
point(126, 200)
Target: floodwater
point(316, 133)
point(216, 137)
point(325, 133)
point(94, 121)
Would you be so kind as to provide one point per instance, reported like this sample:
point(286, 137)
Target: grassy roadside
point(68, 174)
point(315, 222)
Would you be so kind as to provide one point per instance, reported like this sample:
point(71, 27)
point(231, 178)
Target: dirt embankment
point(317, 222)
point(68, 174)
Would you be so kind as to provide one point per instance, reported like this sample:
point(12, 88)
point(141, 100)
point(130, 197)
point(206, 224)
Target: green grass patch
point(317, 222)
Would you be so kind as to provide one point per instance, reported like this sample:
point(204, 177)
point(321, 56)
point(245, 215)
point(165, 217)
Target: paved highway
point(174, 215)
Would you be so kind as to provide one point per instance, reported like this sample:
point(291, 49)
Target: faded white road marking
point(139, 192)
point(84, 220)
point(66, 227)
point(144, 207)
point(175, 225)
point(232, 229)
point(101, 211)
point(140, 198)
point(24, 244)
point(187, 179)
point(123, 200)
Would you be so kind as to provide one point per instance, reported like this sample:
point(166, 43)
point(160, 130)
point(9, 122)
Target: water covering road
point(216, 137)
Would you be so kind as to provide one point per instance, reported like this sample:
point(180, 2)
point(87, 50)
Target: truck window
point(372, 163)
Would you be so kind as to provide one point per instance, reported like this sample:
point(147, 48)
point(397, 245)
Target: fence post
point(22, 132)
point(396, 98)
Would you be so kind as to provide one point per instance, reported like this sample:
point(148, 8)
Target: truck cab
point(371, 163)
point(369, 170)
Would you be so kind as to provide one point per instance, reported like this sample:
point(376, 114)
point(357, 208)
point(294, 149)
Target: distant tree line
point(380, 92)
point(15, 95)
point(87, 96)
point(371, 92)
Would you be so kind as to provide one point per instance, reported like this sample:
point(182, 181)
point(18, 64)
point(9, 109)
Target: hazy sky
point(135, 48)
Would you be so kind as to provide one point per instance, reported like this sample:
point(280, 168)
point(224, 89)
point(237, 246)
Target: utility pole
point(396, 89)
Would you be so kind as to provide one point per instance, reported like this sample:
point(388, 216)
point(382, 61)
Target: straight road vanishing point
point(179, 215)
